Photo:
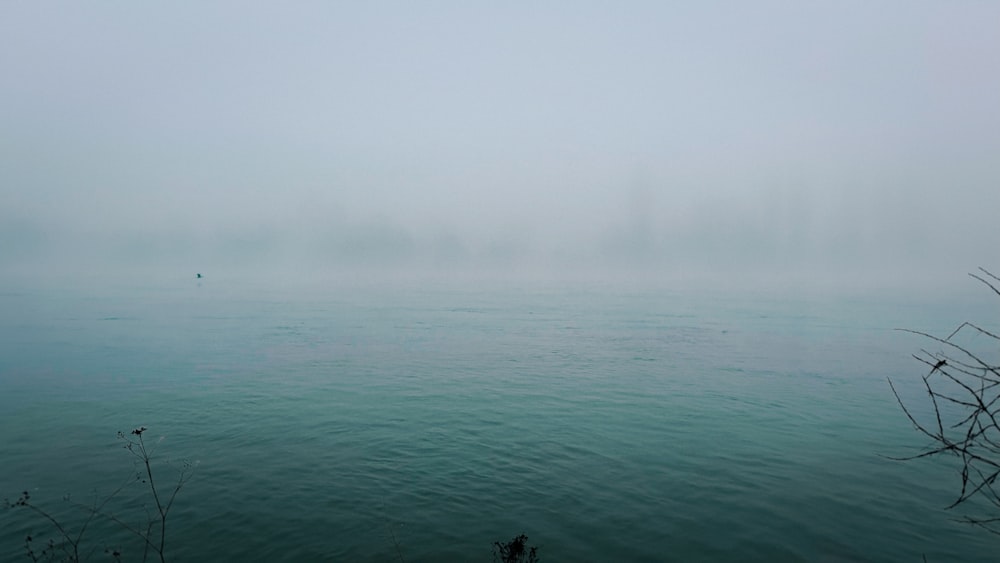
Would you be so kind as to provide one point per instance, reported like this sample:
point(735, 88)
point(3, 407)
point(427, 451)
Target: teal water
point(606, 423)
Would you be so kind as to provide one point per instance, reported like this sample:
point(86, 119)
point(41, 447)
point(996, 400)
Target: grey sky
point(716, 138)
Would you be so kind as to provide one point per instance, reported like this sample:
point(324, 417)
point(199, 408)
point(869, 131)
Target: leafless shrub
point(67, 541)
point(963, 386)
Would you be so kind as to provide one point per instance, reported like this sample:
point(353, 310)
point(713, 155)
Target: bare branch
point(963, 386)
point(69, 543)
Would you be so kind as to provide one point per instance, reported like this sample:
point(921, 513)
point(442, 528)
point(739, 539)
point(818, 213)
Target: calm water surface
point(606, 423)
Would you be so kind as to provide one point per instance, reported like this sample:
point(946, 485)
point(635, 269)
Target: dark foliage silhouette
point(515, 551)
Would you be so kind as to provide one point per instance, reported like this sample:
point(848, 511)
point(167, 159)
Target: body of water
point(424, 422)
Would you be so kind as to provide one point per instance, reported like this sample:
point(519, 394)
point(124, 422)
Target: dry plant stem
point(69, 543)
point(73, 540)
point(138, 448)
point(964, 392)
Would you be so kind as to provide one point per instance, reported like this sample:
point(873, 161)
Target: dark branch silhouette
point(963, 386)
point(68, 541)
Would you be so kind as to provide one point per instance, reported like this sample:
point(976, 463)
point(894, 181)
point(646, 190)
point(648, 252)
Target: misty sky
point(723, 139)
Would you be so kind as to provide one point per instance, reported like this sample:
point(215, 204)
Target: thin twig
point(966, 381)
